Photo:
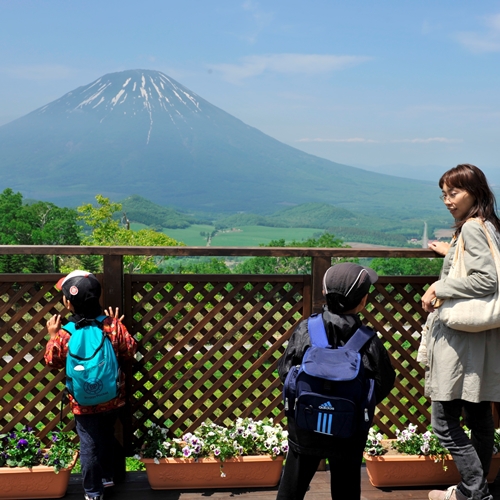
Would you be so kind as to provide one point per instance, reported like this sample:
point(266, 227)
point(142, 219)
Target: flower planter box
point(416, 470)
point(38, 482)
point(187, 473)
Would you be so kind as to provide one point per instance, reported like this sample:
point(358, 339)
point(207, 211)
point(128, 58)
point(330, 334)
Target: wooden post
point(112, 286)
point(112, 295)
point(319, 267)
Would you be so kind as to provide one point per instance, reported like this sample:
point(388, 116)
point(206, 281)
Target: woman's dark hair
point(471, 179)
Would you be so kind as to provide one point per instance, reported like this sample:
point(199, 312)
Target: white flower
point(157, 462)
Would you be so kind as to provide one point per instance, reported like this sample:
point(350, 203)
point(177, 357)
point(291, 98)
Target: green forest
point(138, 222)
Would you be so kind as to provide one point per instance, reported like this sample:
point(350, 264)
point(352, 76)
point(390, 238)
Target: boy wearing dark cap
point(94, 424)
point(346, 288)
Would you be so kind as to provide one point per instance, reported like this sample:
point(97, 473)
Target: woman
point(463, 372)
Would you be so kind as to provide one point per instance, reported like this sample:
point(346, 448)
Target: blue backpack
point(329, 392)
point(92, 371)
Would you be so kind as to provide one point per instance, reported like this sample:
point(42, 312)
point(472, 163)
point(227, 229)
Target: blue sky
point(407, 87)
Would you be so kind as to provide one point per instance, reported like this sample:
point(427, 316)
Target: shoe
point(98, 497)
point(452, 493)
point(107, 482)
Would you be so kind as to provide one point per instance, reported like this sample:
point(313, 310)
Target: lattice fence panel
point(209, 346)
point(395, 311)
point(29, 391)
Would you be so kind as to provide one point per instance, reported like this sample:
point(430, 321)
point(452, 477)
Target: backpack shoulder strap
point(361, 336)
point(317, 331)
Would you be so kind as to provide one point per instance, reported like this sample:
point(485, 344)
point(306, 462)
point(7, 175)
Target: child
point(94, 424)
point(346, 288)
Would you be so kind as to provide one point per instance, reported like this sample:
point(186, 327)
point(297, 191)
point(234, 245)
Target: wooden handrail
point(217, 251)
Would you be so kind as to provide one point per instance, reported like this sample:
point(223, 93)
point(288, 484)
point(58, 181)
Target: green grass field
point(250, 236)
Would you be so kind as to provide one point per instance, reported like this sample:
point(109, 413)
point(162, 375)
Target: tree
point(104, 230)
point(40, 223)
point(407, 267)
point(202, 266)
point(289, 265)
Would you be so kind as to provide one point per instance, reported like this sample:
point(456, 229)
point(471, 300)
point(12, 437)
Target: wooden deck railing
point(208, 344)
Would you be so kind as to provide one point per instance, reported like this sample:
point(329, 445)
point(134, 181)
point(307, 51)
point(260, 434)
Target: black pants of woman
point(345, 475)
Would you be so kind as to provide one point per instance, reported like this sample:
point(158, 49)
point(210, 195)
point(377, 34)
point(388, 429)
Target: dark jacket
point(376, 361)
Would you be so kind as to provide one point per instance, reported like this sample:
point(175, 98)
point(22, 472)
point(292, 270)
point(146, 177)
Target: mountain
point(141, 132)
point(138, 209)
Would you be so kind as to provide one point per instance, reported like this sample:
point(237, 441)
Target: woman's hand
point(54, 325)
point(429, 299)
point(440, 247)
point(114, 314)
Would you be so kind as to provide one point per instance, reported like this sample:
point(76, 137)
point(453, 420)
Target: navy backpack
point(329, 392)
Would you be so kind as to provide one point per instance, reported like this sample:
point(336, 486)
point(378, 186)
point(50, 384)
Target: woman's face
point(457, 201)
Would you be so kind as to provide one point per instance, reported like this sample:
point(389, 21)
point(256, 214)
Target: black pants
point(345, 475)
point(96, 433)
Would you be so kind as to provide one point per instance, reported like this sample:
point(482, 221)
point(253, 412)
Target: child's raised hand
point(114, 314)
point(54, 325)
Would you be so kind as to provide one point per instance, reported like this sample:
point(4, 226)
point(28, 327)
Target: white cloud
point(262, 19)
point(351, 139)
point(372, 141)
point(488, 41)
point(39, 72)
point(429, 139)
point(310, 64)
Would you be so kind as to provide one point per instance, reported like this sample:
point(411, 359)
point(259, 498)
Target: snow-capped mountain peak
point(127, 94)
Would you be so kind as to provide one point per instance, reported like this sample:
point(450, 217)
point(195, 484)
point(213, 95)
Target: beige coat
point(462, 365)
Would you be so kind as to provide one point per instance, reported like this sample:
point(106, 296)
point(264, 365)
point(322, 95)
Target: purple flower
point(22, 443)
point(55, 438)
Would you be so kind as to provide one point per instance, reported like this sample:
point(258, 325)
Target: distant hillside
point(343, 223)
point(141, 132)
point(141, 210)
point(320, 215)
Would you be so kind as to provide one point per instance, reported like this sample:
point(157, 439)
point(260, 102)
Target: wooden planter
point(38, 482)
point(186, 473)
point(416, 470)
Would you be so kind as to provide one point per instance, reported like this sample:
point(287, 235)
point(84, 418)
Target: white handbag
point(472, 315)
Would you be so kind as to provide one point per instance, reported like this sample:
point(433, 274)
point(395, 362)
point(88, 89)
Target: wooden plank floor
point(136, 487)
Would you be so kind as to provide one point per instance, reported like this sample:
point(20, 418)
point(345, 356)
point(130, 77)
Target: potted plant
point(28, 470)
point(247, 453)
point(415, 459)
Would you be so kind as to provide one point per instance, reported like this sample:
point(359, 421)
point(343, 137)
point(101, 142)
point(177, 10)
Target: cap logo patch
point(73, 290)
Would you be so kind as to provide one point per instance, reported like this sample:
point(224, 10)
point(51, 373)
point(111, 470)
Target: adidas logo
point(326, 406)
